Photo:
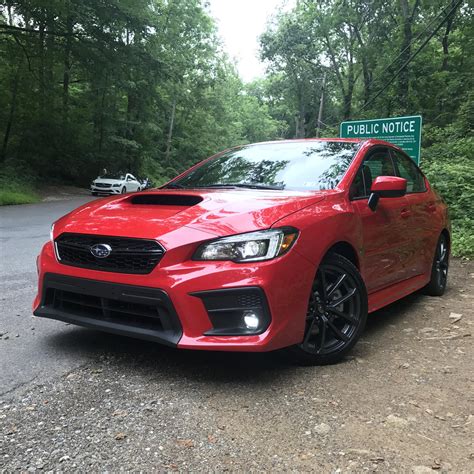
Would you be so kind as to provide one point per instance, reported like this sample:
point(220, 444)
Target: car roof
point(371, 141)
point(296, 140)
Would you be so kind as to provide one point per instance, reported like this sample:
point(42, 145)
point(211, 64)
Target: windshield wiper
point(241, 185)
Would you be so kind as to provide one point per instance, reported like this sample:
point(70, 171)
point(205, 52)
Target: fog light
point(251, 320)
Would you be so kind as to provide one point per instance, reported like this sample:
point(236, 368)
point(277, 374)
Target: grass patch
point(15, 190)
point(14, 193)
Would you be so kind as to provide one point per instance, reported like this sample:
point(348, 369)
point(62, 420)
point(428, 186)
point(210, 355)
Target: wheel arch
point(345, 249)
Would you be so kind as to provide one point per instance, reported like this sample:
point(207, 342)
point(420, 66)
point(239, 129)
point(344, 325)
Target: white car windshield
point(112, 176)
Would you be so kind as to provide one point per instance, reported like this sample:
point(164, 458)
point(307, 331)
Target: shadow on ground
point(151, 359)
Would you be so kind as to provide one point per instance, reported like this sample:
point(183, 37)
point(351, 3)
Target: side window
point(408, 170)
point(377, 163)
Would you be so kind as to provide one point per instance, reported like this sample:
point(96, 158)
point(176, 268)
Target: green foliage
point(143, 85)
point(121, 84)
point(360, 48)
point(448, 162)
point(8, 196)
point(16, 190)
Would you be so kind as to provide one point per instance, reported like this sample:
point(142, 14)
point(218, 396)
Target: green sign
point(405, 132)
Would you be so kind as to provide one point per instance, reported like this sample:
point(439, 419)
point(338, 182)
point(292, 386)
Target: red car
point(284, 244)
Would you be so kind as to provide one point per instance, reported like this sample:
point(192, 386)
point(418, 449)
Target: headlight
point(116, 185)
point(250, 247)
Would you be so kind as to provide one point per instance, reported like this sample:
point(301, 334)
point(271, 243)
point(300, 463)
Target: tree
point(123, 84)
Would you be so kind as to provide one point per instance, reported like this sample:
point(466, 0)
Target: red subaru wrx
point(266, 246)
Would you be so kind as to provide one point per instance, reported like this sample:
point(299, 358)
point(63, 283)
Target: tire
point(439, 269)
point(124, 190)
point(337, 313)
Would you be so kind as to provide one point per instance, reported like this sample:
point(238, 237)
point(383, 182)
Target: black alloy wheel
point(124, 190)
point(337, 313)
point(439, 270)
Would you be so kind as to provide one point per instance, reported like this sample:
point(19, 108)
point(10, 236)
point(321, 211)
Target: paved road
point(33, 348)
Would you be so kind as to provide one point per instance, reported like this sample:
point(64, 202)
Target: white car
point(115, 183)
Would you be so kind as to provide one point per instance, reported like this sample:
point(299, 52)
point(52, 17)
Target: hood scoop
point(180, 200)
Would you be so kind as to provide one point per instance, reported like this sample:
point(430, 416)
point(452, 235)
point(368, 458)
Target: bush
point(448, 163)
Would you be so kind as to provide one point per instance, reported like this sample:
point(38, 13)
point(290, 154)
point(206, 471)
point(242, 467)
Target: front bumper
point(176, 290)
point(107, 191)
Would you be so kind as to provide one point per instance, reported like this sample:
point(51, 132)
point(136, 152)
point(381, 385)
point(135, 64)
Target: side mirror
point(386, 187)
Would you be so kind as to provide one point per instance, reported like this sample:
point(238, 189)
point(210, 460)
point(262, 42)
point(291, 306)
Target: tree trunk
point(130, 128)
point(347, 111)
point(321, 104)
point(447, 31)
point(99, 85)
point(300, 130)
point(101, 121)
point(11, 113)
point(301, 119)
point(170, 133)
point(407, 18)
point(67, 66)
point(41, 98)
point(339, 76)
point(367, 74)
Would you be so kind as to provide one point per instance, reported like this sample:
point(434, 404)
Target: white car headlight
point(249, 247)
point(116, 185)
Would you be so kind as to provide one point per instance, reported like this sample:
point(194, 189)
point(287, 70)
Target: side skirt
point(392, 293)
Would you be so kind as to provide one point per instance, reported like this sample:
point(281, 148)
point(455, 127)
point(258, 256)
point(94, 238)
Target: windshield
point(305, 165)
point(112, 176)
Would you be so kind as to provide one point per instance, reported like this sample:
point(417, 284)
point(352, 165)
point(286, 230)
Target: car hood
point(166, 215)
point(108, 181)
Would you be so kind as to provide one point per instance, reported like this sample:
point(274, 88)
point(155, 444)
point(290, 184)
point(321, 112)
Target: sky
point(240, 23)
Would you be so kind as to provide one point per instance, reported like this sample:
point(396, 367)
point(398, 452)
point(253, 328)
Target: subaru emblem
point(101, 250)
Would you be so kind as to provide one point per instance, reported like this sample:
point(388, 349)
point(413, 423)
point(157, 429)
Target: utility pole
point(321, 102)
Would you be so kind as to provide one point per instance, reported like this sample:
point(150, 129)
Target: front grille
point(128, 255)
point(142, 312)
point(105, 309)
point(103, 185)
point(249, 300)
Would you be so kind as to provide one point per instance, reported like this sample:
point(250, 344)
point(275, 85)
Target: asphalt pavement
point(29, 349)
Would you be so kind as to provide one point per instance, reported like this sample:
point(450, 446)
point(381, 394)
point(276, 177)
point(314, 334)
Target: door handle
point(405, 213)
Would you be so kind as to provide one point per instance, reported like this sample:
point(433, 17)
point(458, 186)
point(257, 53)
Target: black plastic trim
point(166, 199)
point(163, 327)
point(221, 303)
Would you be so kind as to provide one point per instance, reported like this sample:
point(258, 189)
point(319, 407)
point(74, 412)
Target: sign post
point(405, 132)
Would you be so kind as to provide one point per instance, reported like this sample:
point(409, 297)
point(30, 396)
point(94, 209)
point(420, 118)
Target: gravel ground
point(61, 193)
point(403, 402)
